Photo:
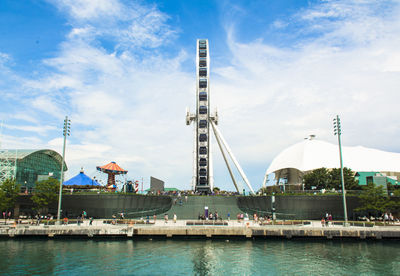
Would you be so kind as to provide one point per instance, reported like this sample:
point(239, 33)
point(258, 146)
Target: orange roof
point(112, 168)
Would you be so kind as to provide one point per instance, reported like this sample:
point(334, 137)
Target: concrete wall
point(300, 207)
point(102, 206)
point(287, 207)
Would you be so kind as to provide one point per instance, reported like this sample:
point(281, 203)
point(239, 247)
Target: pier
point(202, 229)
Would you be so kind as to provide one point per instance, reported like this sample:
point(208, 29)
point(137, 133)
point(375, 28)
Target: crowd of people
point(385, 217)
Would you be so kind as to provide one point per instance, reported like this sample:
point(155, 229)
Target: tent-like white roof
point(312, 154)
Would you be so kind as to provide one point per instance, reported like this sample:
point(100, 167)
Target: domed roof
point(312, 154)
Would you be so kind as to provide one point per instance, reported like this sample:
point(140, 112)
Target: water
point(198, 257)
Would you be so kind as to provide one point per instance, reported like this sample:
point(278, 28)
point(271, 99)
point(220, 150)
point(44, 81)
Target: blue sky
point(124, 72)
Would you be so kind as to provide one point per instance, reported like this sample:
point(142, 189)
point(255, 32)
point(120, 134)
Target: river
point(198, 257)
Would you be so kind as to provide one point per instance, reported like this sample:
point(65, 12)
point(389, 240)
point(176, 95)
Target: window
point(203, 72)
point(203, 172)
point(203, 162)
point(203, 150)
point(203, 109)
point(202, 123)
point(203, 137)
point(203, 62)
point(203, 83)
point(203, 96)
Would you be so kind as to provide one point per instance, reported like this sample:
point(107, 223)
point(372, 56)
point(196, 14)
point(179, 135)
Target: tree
point(317, 178)
point(373, 199)
point(8, 194)
point(335, 179)
point(45, 193)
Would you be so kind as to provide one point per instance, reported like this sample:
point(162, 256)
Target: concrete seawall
point(181, 229)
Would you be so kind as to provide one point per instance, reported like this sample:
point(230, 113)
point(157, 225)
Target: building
point(378, 178)
point(156, 185)
point(27, 166)
point(292, 163)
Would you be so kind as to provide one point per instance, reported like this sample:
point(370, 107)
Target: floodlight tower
point(66, 132)
point(338, 131)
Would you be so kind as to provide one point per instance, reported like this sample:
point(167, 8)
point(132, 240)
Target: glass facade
point(35, 165)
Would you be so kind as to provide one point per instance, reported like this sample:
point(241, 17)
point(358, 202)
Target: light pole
point(66, 132)
point(338, 132)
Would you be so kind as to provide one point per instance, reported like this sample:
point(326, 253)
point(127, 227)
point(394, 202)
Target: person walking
point(166, 218)
point(330, 220)
point(175, 218)
point(90, 220)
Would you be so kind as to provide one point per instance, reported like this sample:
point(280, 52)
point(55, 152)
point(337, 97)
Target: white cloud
point(128, 23)
point(271, 97)
point(39, 129)
point(90, 9)
point(126, 103)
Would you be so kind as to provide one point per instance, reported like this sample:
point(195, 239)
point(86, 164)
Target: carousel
point(111, 169)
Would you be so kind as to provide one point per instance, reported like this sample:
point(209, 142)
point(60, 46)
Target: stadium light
point(66, 132)
point(338, 131)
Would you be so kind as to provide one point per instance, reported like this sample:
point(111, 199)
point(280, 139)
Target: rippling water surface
point(198, 257)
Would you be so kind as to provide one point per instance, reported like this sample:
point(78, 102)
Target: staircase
point(195, 206)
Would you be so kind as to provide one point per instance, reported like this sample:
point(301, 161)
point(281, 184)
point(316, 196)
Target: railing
point(207, 222)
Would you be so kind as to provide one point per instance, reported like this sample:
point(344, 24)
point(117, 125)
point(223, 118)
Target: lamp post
point(66, 132)
point(338, 132)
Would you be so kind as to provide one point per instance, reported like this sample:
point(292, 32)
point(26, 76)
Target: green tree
point(8, 194)
point(46, 192)
point(318, 178)
point(373, 199)
point(335, 180)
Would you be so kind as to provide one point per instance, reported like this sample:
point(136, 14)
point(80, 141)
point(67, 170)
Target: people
point(174, 218)
point(323, 222)
point(166, 218)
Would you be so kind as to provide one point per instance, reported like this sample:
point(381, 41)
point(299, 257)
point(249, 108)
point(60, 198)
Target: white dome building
point(292, 163)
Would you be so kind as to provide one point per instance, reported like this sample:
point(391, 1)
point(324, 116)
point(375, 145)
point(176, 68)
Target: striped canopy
point(112, 168)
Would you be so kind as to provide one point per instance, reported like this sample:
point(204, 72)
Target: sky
point(124, 73)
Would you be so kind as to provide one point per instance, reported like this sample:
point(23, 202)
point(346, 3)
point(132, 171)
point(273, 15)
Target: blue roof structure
point(81, 179)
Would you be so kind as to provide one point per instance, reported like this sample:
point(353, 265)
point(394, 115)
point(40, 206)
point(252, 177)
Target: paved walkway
point(182, 223)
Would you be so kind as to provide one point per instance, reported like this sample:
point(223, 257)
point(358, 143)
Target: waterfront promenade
point(205, 229)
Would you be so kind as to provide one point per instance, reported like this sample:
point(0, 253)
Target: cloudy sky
point(124, 72)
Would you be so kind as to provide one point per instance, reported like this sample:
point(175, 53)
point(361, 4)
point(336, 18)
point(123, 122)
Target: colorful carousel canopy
point(112, 168)
point(81, 179)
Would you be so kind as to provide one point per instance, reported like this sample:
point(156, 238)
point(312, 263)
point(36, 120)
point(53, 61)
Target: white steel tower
point(203, 179)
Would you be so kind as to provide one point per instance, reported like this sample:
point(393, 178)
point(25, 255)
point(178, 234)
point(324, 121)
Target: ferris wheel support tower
point(203, 175)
